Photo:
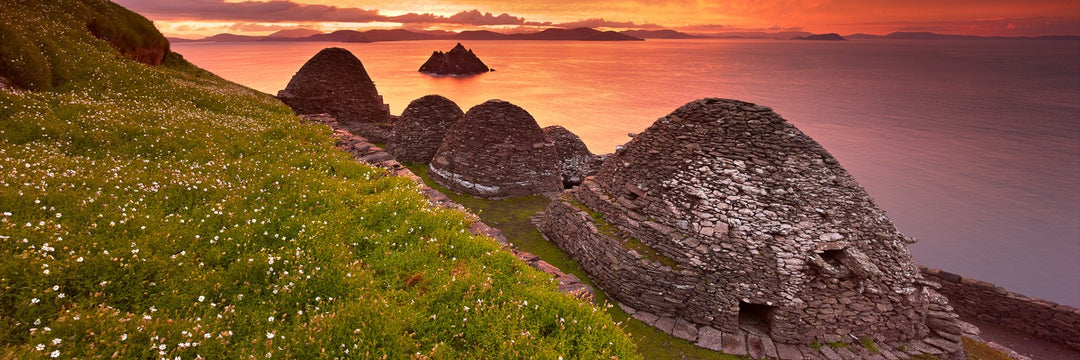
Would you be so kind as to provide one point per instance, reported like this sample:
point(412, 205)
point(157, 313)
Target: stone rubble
point(335, 82)
point(725, 216)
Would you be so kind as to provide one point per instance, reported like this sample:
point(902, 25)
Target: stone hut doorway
point(756, 318)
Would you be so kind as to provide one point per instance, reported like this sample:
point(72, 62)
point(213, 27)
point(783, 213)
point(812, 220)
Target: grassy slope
point(149, 212)
point(512, 217)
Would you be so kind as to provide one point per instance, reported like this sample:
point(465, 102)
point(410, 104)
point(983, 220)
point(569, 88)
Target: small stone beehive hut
point(497, 150)
point(335, 82)
point(575, 160)
point(421, 128)
point(725, 215)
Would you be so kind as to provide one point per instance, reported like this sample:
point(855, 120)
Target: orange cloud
point(979, 17)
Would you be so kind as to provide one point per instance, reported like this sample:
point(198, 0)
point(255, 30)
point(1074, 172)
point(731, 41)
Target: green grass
point(868, 344)
point(150, 212)
point(512, 216)
point(980, 351)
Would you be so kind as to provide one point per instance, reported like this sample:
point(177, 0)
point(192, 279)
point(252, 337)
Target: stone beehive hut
point(335, 82)
point(421, 128)
point(724, 215)
point(575, 160)
point(497, 150)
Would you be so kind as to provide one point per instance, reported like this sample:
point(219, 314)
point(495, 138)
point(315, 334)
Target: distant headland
point(579, 34)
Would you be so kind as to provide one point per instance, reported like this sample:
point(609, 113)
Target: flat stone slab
point(646, 317)
point(828, 353)
point(665, 324)
point(788, 351)
point(770, 347)
point(685, 330)
point(845, 353)
point(710, 338)
point(754, 346)
point(734, 344)
point(627, 309)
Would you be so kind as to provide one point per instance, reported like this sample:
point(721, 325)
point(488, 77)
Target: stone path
point(753, 343)
point(364, 151)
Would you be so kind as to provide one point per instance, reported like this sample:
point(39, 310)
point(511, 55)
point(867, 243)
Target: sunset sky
point(198, 18)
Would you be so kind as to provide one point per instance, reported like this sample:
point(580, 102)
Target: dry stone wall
point(724, 215)
point(334, 81)
point(988, 302)
point(421, 128)
point(497, 150)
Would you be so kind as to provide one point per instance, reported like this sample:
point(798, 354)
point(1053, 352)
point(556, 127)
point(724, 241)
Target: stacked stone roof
point(421, 128)
point(497, 150)
point(334, 81)
point(723, 210)
point(575, 160)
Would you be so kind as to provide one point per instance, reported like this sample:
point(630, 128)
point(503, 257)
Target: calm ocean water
point(973, 147)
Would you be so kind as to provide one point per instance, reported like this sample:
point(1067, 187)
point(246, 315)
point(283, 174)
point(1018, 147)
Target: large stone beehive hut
point(497, 150)
point(335, 82)
point(421, 128)
point(575, 160)
point(725, 215)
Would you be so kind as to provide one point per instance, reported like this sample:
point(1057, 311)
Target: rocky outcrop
point(421, 128)
point(335, 82)
point(497, 150)
point(457, 61)
point(725, 216)
point(575, 160)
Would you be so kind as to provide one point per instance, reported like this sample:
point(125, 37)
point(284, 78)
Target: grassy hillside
point(163, 212)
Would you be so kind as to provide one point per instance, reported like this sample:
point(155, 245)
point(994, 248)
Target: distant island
point(458, 61)
point(354, 36)
point(924, 35)
point(827, 37)
point(579, 34)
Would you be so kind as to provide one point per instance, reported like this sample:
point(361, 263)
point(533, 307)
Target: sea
point(971, 146)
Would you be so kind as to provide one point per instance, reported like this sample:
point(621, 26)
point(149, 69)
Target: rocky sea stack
point(335, 82)
point(421, 128)
point(497, 150)
point(727, 221)
point(458, 61)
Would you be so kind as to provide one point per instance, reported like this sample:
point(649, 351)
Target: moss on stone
point(629, 242)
